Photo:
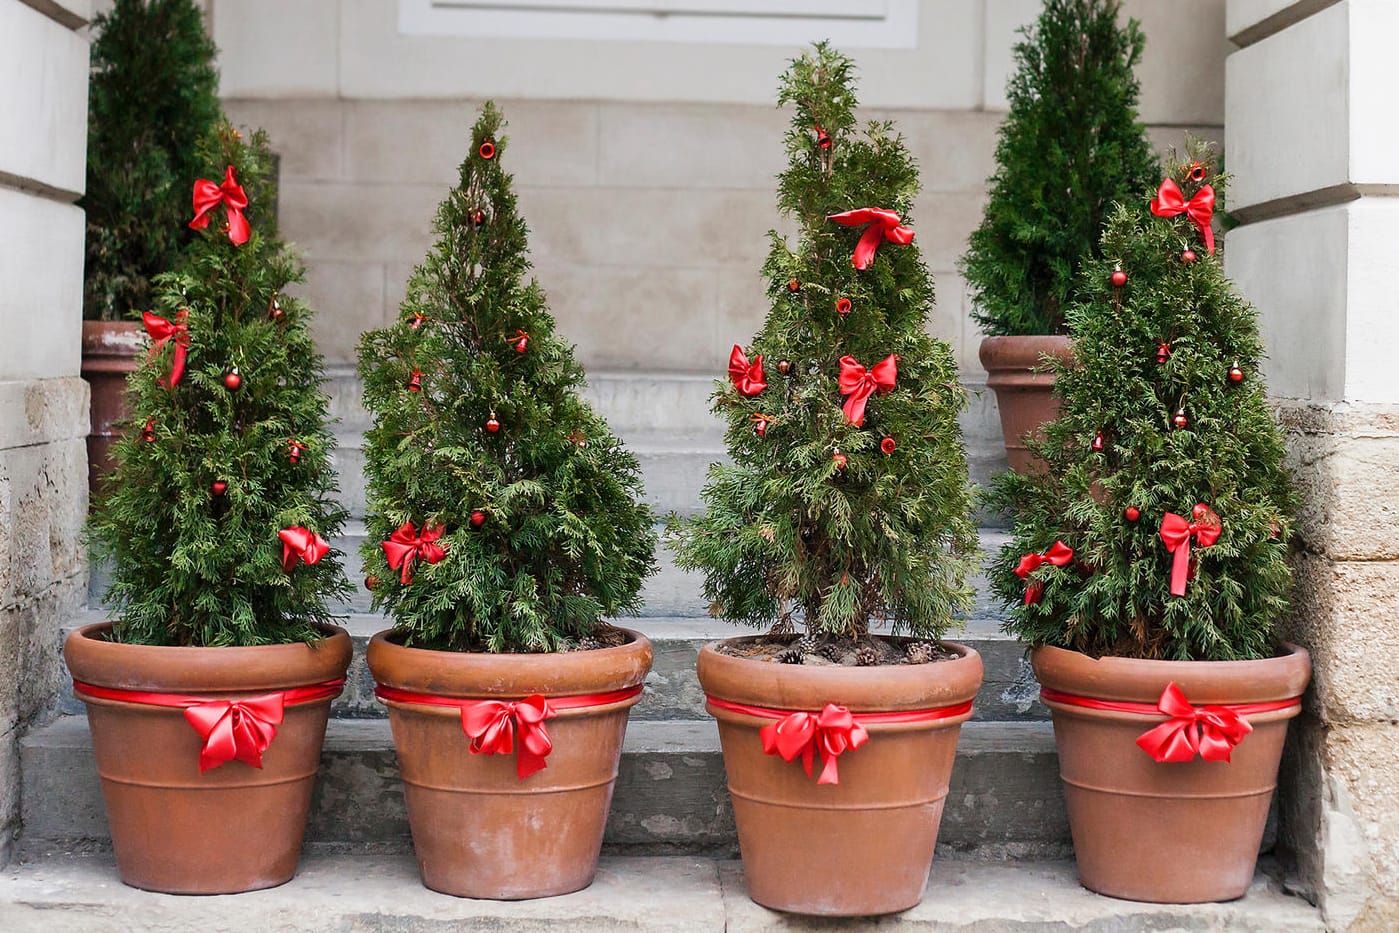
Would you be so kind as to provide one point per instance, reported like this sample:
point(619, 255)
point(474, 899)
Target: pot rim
point(1022, 352)
point(1141, 680)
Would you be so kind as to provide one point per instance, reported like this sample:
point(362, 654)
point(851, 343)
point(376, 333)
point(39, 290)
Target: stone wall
point(1315, 148)
point(43, 402)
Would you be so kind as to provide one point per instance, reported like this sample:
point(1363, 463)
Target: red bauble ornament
point(1131, 513)
point(218, 487)
point(577, 438)
point(784, 366)
point(478, 518)
point(823, 139)
point(760, 425)
point(415, 381)
point(1188, 256)
point(370, 582)
point(274, 310)
point(478, 218)
point(232, 381)
point(148, 432)
point(888, 445)
point(1118, 278)
point(1197, 171)
point(492, 424)
point(1179, 419)
point(417, 321)
point(521, 340)
point(793, 285)
point(843, 306)
point(487, 150)
point(840, 460)
point(1098, 443)
point(294, 449)
point(1163, 351)
point(1235, 373)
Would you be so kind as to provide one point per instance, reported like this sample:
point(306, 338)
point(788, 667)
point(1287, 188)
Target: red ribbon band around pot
point(1170, 201)
point(491, 724)
point(231, 195)
point(884, 226)
point(833, 731)
point(1211, 731)
point(239, 729)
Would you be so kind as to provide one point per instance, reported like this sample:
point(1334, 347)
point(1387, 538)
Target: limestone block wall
point(645, 169)
point(43, 402)
point(1313, 142)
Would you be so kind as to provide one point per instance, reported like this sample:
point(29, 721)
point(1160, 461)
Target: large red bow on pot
point(491, 724)
point(857, 384)
point(1210, 731)
point(161, 331)
point(1169, 202)
point(883, 226)
point(301, 544)
point(1177, 534)
point(748, 377)
point(231, 195)
point(1059, 556)
point(405, 546)
point(240, 729)
point(832, 731)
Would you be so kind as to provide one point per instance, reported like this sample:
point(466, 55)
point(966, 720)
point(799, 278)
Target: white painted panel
point(43, 99)
point(272, 48)
point(1372, 314)
point(41, 304)
point(1374, 80)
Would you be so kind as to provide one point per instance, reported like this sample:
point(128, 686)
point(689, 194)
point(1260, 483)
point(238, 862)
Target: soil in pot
point(1173, 832)
point(111, 351)
point(233, 827)
point(479, 828)
point(863, 845)
point(1024, 387)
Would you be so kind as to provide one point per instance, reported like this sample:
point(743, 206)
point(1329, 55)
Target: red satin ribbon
point(1177, 533)
point(1169, 202)
point(1059, 555)
point(239, 729)
point(833, 731)
point(301, 544)
point(231, 195)
point(747, 377)
point(857, 384)
point(161, 331)
point(405, 546)
point(491, 724)
point(884, 226)
point(1210, 731)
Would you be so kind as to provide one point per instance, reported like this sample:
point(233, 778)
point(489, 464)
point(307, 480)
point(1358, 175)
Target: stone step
point(677, 894)
point(672, 688)
point(1005, 800)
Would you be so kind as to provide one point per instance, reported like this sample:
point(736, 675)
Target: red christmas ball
point(218, 487)
point(823, 139)
point(1098, 443)
point(793, 285)
point(492, 425)
point(522, 344)
point(274, 310)
point(840, 460)
point(760, 427)
point(148, 432)
point(1131, 513)
point(487, 150)
point(370, 582)
point(232, 381)
point(888, 445)
point(415, 381)
point(1179, 419)
point(417, 322)
point(1197, 171)
point(1188, 256)
point(1200, 511)
point(1118, 278)
point(843, 306)
point(1235, 373)
point(784, 366)
point(478, 217)
point(1163, 351)
point(478, 518)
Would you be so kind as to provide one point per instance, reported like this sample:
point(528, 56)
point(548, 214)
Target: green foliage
point(564, 541)
point(788, 536)
point(1115, 598)
point(191, 567)
point(153, 94)
point(1070, 146)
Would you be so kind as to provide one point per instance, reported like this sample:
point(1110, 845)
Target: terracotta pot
point(231, 828)
point(479, 830)
point(1167, 832)
point(111, 351)
point(1024, 390)
point(863, 846)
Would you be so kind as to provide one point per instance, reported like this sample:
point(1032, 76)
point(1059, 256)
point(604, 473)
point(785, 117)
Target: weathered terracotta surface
point(1173, 833)
point(478, 829)
point(1024, 390)
point(232, 828)
point(111, 351)
point(864, 846)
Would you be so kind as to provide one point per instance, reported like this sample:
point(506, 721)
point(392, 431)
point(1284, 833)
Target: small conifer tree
point(847, 502)
point(153, 95)
point(223, 495)
point(503, 514)
point(1159, 528)
point(1070, 146)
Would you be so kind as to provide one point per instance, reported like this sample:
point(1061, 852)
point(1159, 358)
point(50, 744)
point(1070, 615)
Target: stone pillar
point(1314, 146)
point(43, 402)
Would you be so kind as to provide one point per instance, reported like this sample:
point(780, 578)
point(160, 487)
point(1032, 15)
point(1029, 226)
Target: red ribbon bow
point(491, 724)
point(161, 331)
point(301, 544)
point(883, 226)
point(1210, 731)
point(1059, 555)
point(235, 729)
point(747, 377)
point(405, 546)
point(1169, 202)
point(231, 195)
point(858, 384)
point(1177, 533)
point(833, 731)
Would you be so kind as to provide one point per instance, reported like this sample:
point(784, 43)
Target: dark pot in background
point(1015, 369)
point(111, 351)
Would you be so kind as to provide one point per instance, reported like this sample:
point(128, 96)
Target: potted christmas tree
point(1070, 146)
point(1148, 562)
point(504, 526)
point(208, 697)
point(846, 507)
point(153, 93)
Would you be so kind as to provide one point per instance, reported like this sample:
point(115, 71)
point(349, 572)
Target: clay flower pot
point(111, 351)
point(1180, 831)
point(480, 828)
point(861, 846)
point(184, 821)
point(1015, 369)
